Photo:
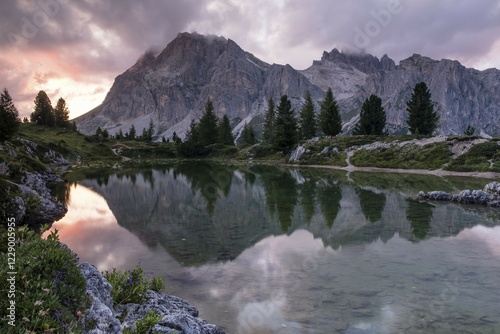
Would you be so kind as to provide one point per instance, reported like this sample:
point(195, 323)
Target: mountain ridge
point(173, 87)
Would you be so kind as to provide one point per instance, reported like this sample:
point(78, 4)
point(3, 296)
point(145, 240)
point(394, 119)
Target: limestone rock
point(172, 88)
point(100, 314)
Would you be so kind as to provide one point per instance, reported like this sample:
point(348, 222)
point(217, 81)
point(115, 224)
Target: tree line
point(44, 114)
point(283, 130)
point(209, 130)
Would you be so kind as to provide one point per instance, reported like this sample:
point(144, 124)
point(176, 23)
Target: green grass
point(68, 143)
point(484, 157)
point(432, 156)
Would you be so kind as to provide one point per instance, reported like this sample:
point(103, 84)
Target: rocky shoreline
point(488, 196)
point(177, 315)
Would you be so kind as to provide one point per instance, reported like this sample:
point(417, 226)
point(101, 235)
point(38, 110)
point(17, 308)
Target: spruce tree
point(307, 119)
point(207, 127)
point(225, 134)
point(132, 132)
point(285, 129)
point(248, 135)
point(43, 113)
point(9, 116)
point(372, 119)
point(422, 119)
point(330, 121)
point(61, 114)
point(269, 120)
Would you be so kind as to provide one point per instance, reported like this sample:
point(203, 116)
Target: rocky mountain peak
point(364, 62)
point(173, 87)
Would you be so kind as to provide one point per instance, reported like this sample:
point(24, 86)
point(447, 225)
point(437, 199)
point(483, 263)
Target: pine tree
point(132, 132)
point(176, 139)
point(285, 129)
point(330, 121)
point(307, 119)
point(207, 127)
point(43, 113)
point(225, 134)
point(9, 116)
point(268, 127)
point(372, 119)
point(61, 114)
point(422, 119)
point(119, 134)
point(248, 135)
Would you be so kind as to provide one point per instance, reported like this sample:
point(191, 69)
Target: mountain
point(173, 87)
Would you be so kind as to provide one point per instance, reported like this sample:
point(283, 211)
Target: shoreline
point(433, 172)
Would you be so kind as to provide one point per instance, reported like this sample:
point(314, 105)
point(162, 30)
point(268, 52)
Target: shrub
point(50, 289)
point(131, 285)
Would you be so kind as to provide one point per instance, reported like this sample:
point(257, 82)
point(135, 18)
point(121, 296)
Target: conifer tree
point(269, 120)
point(207, 127)
point(43, 113)
point(61, 114)
point(307, 119)
point(225, 134)
point(248, 135)
point(372, 119)
point(9, 116)
point(422, 119)
point(285, 129)
point(132, 132)
point(330, 121)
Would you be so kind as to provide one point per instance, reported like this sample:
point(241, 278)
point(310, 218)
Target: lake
point(276, 250)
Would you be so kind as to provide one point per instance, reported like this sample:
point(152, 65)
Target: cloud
point(85, 44)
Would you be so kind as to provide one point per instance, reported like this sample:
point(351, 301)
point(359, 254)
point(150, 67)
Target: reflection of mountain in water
point(204, 212)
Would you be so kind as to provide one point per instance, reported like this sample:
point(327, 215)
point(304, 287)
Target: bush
point(131, 285)
point(50, 289)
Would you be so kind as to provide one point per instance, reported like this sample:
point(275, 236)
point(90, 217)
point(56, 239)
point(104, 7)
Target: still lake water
point(274, 250)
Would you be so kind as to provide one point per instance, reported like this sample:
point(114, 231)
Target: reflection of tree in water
point(372, 204)
point(419, 215)
point(281, 195)
point(210, 180)
point(329, 196)
point(307, 199)
point(62, 192)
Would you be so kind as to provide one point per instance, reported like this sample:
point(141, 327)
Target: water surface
point(273, 250)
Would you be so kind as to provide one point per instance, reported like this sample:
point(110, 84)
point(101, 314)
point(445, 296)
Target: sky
point(75, 48)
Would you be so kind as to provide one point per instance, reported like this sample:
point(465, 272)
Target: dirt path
point(115, 150)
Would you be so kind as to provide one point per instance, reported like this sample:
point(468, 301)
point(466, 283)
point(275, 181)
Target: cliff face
point(173, 87)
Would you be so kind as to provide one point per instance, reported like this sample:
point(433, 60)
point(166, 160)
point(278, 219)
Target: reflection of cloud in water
point(386, 323)
point(266, 317)
point(485, 235)
point(90, 229)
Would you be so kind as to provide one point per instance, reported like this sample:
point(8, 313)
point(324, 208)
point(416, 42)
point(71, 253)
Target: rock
point(178, 316)
point(34, 188)
point(297, 153)
point(490, 196)
point(100, 315)
point(173, 87)
point(56, 158)
point(493, 188)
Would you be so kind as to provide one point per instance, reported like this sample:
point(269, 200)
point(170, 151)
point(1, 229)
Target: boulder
point(177, 315)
